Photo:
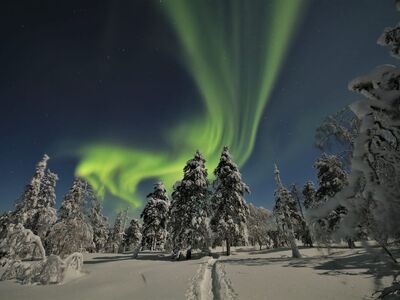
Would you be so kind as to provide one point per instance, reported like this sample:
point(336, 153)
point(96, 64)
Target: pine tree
point(133, 236)
point(189, 212)
point(286, 213)
point(72, 232)
point(98, 221)
point(155, 215)
point(229, 205)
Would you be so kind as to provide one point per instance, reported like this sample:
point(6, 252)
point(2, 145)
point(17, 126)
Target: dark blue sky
point(73, 71)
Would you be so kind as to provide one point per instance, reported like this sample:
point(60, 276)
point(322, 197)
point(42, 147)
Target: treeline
point(196, 217)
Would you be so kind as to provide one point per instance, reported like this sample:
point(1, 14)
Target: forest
point(355, 201)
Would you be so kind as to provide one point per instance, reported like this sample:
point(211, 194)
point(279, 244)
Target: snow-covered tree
point(20, 243)
point(72, 232)
point(155, 215)
point(286, 213)
point(116, 235)
point(26, 206)
point(336, 134)
point(35, 208)
point(133, 236)
point(309, 198)
point(49, 270)
point(228, 203)
point(301, 230)
point(374, 189)
point(97, 220)
point(258, 226)
point(373, 192)
point(189, 211)
point(45, 215)
point(391, 37)
point(331, 179)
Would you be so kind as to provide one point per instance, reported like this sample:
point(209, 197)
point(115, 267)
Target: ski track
point(210, 282)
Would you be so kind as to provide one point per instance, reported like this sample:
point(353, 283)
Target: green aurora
point(233, 50)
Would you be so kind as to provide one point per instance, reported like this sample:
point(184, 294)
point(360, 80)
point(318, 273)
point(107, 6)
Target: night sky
point(108, 90)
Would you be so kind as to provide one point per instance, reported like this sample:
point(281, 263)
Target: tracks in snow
point(210, 282)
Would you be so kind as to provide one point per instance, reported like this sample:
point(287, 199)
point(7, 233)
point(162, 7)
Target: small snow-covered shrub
point(21, 243)
point(51, 270)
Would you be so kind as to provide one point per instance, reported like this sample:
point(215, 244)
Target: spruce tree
point(301, 230)
point(26, 206)
point(229, 205)
point(35, 208)
point(189, 212)
point(46, 214)
point(258, 225)
point(116, 234)
point(331, 179)
point(155, 215)
point(133, 236)
point(286, 213)
point(72, 232)
point(98, 221)
point(309, 192)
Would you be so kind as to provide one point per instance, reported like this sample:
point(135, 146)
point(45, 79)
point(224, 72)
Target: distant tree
point(301, 230)
point(72, 232)
point(97, 220)
point(258, 226)
point(116, 235)
point(189, 212)
point(155, 215)
point(229, 206)
point(286, 213)
point(133, 236)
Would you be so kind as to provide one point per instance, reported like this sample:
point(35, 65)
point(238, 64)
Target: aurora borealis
point(124, 92)
point(233, 50)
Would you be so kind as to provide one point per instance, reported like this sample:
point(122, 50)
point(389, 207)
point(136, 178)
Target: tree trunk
point(228, 247)
point(293, 245)
point(189, 254)
point(388, 252)
point(351, 244)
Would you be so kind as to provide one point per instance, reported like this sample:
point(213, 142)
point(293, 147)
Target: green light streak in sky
point(234, 51)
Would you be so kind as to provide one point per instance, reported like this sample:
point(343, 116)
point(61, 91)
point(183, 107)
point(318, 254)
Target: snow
point(246, 274)
point(272, 274)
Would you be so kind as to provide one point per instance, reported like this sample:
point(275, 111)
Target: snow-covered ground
point(247, 274)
